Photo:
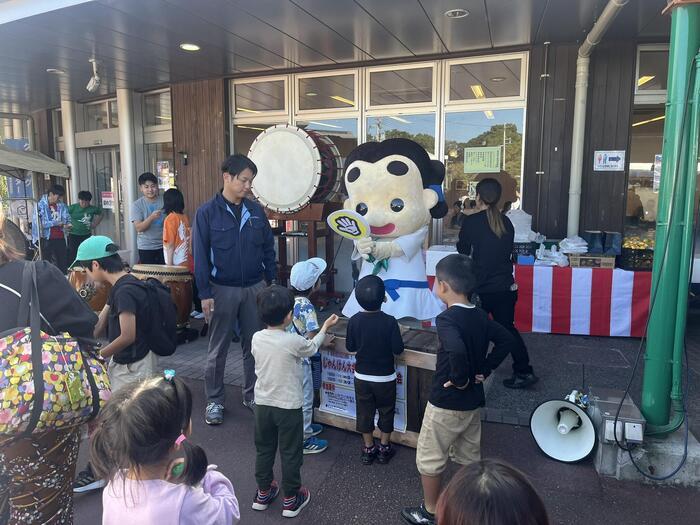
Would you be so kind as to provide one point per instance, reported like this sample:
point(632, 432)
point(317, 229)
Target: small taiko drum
point(178, 279)
point(95, 294)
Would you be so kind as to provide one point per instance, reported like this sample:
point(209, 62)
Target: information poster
point(657, 173)
point(166, 178)
point(609, 160)
point(486, 159)
point(107, 198)
point(338, 388)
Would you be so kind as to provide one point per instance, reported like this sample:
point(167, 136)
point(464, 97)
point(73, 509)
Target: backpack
point(161, 334)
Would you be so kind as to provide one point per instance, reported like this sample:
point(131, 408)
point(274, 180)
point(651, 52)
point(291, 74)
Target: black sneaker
point(293, 508)
point(520, 381)
point(418, 516)
point(86, 481)
point(260, 503)
point(385, 453)
point(369, 454)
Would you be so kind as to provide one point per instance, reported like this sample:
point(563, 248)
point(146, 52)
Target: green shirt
point(81, 218)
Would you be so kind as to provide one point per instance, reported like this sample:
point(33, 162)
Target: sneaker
point(86, 481)
point(235, 339)
point(250, 405)
point(260, 502)
point(369, 454)
point(196, 314)
point(293, 508)
point(520, 381)
point(214, 414)
point(418, 516)
point(313, 445)
point(316, 429)
point(385, 453)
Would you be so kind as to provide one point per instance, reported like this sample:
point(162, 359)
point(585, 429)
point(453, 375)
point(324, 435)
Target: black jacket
point(60, 304)
point(465, 334)
point(493, 256)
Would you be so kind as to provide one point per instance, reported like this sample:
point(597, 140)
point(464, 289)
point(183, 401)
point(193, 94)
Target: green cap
point(92, 248)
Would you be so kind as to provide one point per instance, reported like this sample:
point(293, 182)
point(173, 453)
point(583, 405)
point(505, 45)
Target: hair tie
point(437, 188)
point(180, 439)
point(168, 374)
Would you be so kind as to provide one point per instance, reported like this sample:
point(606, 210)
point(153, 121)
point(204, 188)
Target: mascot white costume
point(397, 189)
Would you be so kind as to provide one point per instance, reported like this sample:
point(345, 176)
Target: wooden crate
point(578, 260)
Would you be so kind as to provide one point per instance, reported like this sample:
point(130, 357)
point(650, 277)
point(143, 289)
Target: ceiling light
point(648, 121)
point(246, 110)
point(343, 100)
point(489, 114)
point(55, 71)
point(326, 125)
point(311, 94)
point(163, 117)
point(497, 79)
point(457, 13)
point(187, 46)
point(251, 127)
point(643, 80)
point(399, 119)
point(478, 91)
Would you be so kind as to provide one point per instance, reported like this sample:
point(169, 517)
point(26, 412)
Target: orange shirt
point(176, 231)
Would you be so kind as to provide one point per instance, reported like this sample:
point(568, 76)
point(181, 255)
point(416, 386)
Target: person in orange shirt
point(177, 240)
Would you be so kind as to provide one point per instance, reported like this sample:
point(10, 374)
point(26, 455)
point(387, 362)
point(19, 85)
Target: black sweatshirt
point(464, 335)
point(376, 338)
point(492, 255)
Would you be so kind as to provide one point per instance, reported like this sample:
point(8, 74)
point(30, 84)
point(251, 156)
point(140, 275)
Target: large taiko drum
point(95, 294)
point(178, 279)
point(295, 167)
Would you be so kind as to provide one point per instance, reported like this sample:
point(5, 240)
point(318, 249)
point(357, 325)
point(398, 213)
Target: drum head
point(289, 168)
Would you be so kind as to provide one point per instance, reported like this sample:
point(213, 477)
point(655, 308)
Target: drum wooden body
point(295, 167)
point(95, 294)
point(178, 279)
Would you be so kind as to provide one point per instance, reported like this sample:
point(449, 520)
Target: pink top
point(157, 501)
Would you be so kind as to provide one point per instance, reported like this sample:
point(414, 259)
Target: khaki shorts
point(448, 434)
point(122, 375)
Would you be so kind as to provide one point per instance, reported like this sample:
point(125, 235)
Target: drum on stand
point(16, 239)
point(178, 279)
point(95, 294)
point(295, 167)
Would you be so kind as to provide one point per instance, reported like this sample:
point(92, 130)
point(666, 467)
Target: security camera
point(94, 83)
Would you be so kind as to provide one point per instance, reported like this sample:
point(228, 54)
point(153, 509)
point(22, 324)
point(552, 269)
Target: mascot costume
point(397, 189)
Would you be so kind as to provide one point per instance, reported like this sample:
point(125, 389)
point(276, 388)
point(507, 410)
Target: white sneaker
point(195, 314)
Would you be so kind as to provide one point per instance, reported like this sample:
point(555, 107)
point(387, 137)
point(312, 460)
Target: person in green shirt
point(84, 218)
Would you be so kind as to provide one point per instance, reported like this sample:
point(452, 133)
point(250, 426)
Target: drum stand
point(314, 216)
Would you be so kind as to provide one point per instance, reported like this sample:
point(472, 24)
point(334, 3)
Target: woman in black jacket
point(36, 472)
point(487, 236)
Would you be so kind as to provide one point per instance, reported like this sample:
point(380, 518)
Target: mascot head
point(395, 186)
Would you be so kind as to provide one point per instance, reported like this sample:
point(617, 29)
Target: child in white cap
point(304, 279)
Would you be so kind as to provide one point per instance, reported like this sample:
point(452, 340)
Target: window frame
point(324, 74)
point(255, 114)
point(369, 107)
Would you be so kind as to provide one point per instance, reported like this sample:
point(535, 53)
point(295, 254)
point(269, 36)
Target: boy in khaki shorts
point(451, 426)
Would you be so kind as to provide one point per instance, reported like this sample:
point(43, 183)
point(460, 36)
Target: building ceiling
point(137, 41)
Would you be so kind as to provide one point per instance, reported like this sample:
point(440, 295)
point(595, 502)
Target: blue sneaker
point(214, 414)
point(313, 445)
point(316, 429)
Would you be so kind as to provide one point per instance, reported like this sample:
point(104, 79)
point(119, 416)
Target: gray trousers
point(231, 303)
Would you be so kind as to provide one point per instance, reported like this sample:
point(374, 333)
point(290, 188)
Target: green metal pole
point(656, 388)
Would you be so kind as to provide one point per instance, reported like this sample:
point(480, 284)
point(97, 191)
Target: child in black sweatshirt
point(375, 338)
point(451, 426)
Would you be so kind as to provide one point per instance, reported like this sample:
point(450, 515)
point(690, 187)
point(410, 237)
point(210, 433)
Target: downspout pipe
point(594, 37)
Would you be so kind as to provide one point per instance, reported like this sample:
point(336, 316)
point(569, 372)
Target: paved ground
point(344, 491)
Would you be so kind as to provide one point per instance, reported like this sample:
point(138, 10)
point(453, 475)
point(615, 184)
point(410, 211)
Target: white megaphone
point(563, 429)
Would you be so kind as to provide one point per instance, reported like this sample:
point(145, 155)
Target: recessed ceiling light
point(497, 79)
point(55, 71)
point(311, 94)
point(186, 46)
point(457, 13)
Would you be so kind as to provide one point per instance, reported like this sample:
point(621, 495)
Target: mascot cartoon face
point(395, 186)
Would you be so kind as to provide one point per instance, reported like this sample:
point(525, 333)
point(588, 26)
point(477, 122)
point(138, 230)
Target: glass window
point(245, 134)
point(96, 117)
point(257, 97)
point(477, 80)
point(406, 86)
point(156, 109)
point(57, 123)
point(420, 128)
point(334, 92)
point(113, 114)
point(652, 70)
point(481, 144)
point(160, 159)
point(341, 131)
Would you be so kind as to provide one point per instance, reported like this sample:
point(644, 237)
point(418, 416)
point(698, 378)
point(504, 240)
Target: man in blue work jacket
point(234, 255)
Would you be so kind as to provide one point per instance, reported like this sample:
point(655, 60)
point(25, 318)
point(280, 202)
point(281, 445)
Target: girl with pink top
point(139, 445)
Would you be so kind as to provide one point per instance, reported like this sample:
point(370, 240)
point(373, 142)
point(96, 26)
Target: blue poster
point(19, 189)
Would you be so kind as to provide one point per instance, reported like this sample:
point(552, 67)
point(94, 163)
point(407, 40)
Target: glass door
point(105, 171)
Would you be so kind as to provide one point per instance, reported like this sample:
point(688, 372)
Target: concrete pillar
point(70, 151)
point(127, 154)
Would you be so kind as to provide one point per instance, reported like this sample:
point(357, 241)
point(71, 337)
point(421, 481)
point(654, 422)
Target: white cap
point(304, 274)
